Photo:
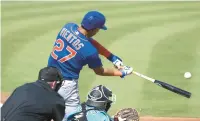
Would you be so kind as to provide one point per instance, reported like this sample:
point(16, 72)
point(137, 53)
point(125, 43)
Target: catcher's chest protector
point(80, 116)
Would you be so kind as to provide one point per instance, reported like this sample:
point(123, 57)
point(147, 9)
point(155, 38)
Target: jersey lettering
point(69, 37)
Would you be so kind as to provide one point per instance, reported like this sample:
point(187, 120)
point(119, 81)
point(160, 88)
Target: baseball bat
point(165, 85)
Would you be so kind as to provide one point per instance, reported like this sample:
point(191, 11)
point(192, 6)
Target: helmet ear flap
point(108, 105)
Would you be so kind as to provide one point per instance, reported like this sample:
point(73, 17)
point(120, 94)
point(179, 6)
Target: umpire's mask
point(52, 76)
point(101, 98)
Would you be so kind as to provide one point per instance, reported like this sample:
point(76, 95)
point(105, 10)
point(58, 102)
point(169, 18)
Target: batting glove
point(117, 62)
point(126, 70)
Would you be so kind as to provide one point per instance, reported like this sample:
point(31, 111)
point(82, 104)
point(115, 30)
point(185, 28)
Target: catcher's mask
point(101, 98)
point(52, 76)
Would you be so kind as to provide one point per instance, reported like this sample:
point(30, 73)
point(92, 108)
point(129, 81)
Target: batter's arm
point(106, 53)
point(101, 49)
point(107, 72)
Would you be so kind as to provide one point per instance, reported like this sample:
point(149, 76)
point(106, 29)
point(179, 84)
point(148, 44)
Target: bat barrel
point(173, 88)
point(165, 85)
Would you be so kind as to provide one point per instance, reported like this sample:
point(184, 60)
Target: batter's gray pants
point(69, 91)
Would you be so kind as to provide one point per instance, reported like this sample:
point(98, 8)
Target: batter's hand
point(126, 70)
point(117, 62)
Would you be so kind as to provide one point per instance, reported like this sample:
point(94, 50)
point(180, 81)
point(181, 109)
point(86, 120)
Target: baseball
point(187, 75)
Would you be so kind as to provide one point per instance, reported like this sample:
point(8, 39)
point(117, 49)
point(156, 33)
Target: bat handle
point(143, 76)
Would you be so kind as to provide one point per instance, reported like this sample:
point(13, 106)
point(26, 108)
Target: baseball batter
point(74, 48)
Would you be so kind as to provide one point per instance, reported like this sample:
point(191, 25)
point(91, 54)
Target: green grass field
point(158, 39)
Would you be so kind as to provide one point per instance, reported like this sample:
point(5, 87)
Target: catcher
point(98, 103)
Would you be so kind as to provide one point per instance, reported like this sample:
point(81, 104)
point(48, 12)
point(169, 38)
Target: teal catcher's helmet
point(100, 97)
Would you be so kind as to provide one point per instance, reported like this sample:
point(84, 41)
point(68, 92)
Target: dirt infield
point(148, 118)
point(5, 95)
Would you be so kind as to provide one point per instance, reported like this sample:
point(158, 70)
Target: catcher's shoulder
point(98, 115)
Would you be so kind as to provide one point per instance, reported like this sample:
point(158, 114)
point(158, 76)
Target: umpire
point(36, 101)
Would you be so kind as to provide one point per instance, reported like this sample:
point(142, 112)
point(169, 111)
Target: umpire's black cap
point(50, 74)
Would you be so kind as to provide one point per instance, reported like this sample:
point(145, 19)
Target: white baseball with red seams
point(187, 75)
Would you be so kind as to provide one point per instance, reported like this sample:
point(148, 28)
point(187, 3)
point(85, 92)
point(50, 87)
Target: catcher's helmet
point(100, 97)
point(52, 76)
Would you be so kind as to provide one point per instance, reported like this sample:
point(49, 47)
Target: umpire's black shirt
point(33, 102)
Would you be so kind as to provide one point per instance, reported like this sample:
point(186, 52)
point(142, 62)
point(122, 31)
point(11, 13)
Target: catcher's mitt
point(127, 114)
